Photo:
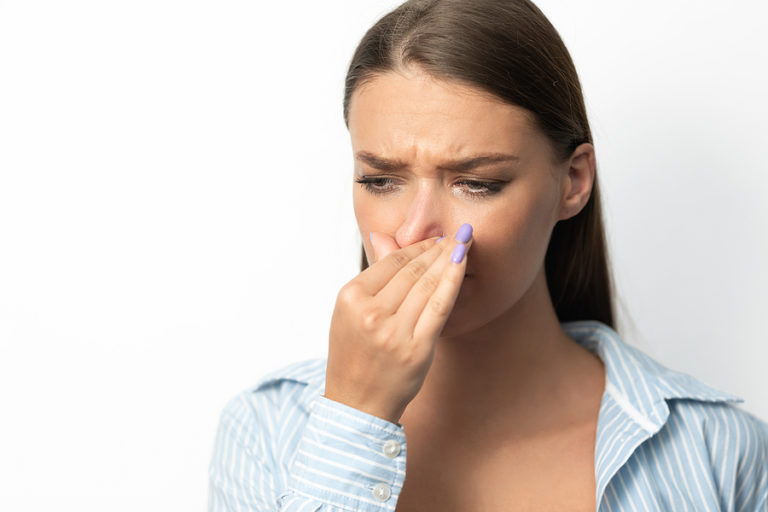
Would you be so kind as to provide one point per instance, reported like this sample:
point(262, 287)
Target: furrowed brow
point(466, 164)
point(460, 165)
point(380, 163)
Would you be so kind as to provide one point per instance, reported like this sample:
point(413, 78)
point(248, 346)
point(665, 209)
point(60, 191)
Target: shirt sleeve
point(241, 477)
point(346, 460)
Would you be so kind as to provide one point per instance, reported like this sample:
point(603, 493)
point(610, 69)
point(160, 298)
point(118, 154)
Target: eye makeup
point(380, 185)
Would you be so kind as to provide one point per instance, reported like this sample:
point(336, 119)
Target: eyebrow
point(463, 164)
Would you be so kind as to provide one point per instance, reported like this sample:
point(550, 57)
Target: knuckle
point(408, 357)
point(416, 269)
point(370, 319)
point(385, 338)
point(439, 306)
point(428, 283)
point(399, 259)
point(348, 294)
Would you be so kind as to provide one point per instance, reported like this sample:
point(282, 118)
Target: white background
point(176, 220)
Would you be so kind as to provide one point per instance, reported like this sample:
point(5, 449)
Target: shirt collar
point(634, 404)
point(631, 375)
point(638, 383)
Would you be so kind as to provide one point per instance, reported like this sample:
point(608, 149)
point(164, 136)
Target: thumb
point(383, 244)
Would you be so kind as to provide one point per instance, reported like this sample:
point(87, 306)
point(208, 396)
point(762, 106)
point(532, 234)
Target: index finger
point(376, 276)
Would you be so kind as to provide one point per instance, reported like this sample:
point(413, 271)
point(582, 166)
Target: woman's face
point(410, 135)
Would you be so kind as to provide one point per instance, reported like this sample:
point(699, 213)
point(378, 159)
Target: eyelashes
point(473, 188)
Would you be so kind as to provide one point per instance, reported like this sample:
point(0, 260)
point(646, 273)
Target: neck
point(520, 365)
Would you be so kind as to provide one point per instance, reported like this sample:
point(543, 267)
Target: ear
point(578, 181)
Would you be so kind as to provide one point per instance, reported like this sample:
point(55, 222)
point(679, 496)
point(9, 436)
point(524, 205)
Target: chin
point(478, 305)
point(458, 327)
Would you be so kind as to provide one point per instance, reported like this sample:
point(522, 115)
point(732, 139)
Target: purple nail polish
point(464, 233)
point(458, 253)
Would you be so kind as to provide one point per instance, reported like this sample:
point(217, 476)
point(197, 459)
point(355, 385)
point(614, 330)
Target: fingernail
point(458, 253)
point(464, 233)
point(441, 238)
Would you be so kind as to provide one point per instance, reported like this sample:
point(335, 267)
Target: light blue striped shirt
point(665, 441)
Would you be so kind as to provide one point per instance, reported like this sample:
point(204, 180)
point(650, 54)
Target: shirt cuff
point(349, 459)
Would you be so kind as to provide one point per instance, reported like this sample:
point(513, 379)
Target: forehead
point(410, 111)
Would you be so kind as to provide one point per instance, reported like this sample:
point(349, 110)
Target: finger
point(423, 272)
point(396, 290)
point(372, 259)
point(429, 304)
point(383, 245)
point(376, 276)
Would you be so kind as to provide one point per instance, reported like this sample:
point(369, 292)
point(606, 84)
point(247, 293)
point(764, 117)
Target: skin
point(502, 355)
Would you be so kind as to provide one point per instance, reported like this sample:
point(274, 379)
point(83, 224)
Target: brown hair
point(509, 49)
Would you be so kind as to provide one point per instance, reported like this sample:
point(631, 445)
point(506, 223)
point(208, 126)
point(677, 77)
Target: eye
point(382, 185)
point(376, 185)
point(480, 188)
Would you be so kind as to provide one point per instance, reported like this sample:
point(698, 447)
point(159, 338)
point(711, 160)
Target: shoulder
point(303, 373)
point(723, 417)
point(729, 440)
point(287, 390)
point(734, 437)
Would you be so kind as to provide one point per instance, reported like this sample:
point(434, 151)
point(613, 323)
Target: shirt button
point(382, 492)
point(391, 449)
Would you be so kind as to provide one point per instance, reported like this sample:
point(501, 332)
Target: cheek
point(365, 213)
point(510, 250)
point(365, 223)
point(517, 237)
point(373, 215)
point(505, 260)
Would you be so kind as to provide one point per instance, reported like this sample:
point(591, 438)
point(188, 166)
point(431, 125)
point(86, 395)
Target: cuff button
point(391, 449)
point(382, 492)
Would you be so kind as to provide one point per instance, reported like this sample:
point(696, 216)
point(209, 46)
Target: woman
point(482, 331)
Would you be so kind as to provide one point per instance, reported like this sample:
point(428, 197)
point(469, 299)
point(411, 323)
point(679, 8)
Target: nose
point(424, 219)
